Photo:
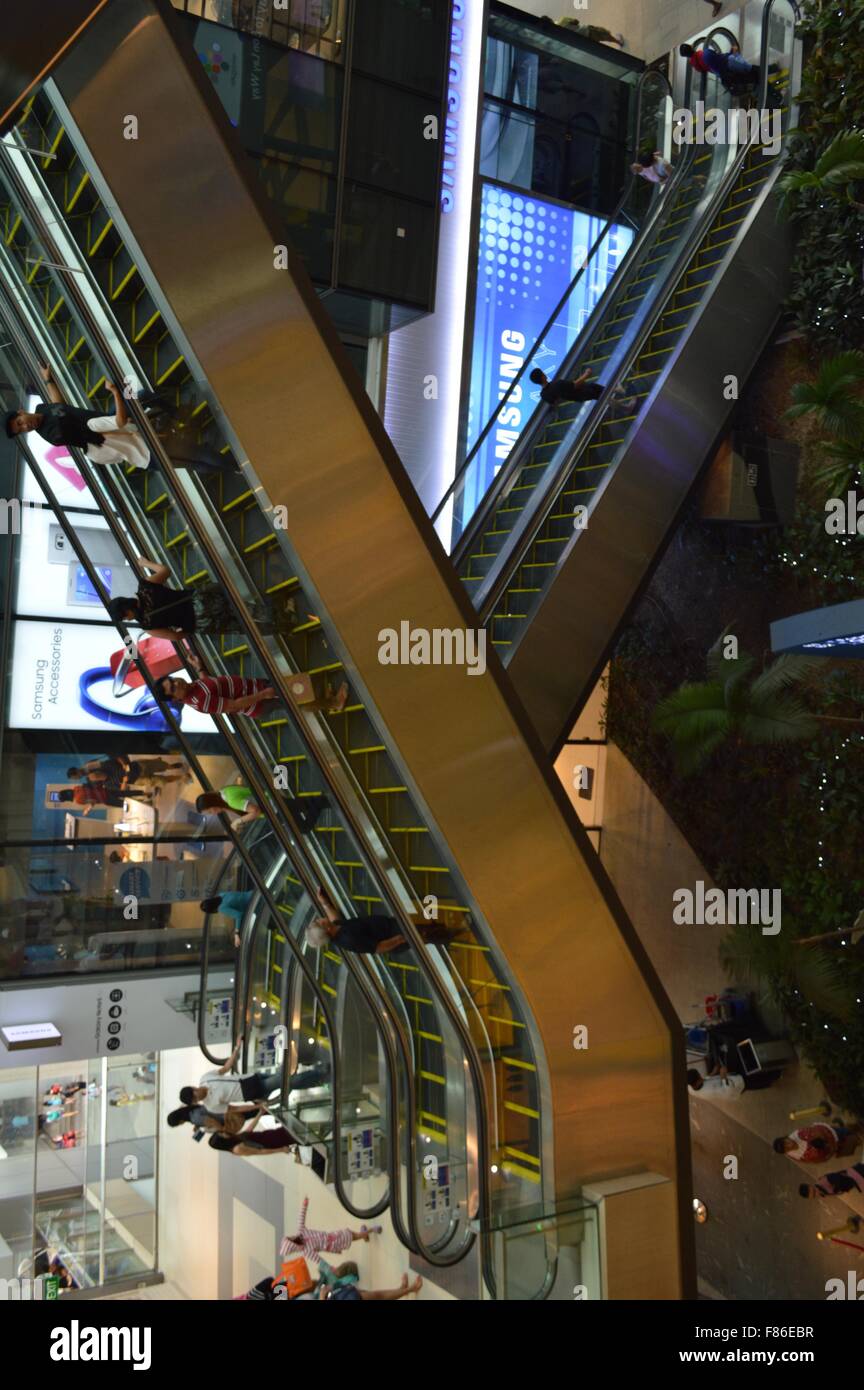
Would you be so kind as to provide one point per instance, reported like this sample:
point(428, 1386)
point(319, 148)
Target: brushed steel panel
point(601, 575)
point(318, 448)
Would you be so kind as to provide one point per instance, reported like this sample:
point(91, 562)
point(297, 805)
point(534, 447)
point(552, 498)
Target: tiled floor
point(221, 1218)
point(647, 857)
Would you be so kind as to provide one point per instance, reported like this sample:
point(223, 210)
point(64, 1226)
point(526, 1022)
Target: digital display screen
point(529, 250)
point(84, 590)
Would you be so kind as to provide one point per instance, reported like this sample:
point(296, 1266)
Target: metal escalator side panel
point(371, 556)
point(604, 569)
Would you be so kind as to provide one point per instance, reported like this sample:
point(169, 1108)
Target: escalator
point(237, 525)
point(587, 497)
point(323, 997)
point(439, 1070)
point(438, 785)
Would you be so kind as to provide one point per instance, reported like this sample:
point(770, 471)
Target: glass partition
point(555, 1256)
point(78, 1190)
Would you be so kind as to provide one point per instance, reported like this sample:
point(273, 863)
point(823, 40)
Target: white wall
point(80, 1011)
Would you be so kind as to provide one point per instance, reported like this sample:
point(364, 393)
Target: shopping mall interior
point(449, 413)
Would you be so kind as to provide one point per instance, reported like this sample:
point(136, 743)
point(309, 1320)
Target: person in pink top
point(833, 1184)
point(310, 1243)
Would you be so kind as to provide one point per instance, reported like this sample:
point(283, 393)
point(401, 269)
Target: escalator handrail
point(500, 484)
point(205, 961)
point(106, 482)
point(95, 579)
point(497, 578)
point(103, 481)
point(649, 73)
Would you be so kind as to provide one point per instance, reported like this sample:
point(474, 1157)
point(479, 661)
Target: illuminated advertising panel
point(529, 250)
point(65, 676)
point(837, 630)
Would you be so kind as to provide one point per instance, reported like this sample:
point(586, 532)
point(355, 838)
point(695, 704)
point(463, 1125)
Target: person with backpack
point(575, 390)
point(834, 1184)
point(371, 933)
point(105, 439)
point(163, 611)
point(732, 69)
point(342, 1285)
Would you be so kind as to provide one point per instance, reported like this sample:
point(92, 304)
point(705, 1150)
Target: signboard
point(834, 631)
point(111, 1009)
point(529, 250)
point(436, 1197)
point(62, 678)
point(360, 1146)
point(17, 1037)
point(169, 880)
point(219, 1014)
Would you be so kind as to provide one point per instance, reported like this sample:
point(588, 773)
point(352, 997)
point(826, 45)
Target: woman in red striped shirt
point(237, 694)
point(220, 694)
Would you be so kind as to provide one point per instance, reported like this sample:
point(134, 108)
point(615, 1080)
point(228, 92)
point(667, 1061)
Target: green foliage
point(840, 466)
point(840, 164)
point(699, 718)
point(815, 972)
point(824, 182)
point(834, 398)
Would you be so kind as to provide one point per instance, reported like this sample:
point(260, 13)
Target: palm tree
point(817, 974)
point(734, 706)
point(842, 460)
point(833, 398)
point(839, 165)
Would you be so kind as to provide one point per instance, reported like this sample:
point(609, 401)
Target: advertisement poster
point(168, 880)
point(529, 251)
point(52, 582)
point(63, 677)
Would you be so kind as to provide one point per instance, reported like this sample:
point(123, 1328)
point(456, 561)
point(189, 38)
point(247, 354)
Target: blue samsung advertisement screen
point(529, 250)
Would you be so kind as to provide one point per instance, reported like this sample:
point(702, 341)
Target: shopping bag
point(301, 689)
point(158, 655)
point(297, 1277)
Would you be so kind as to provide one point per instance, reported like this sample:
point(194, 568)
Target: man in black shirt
point(374, 934)
point(57, 424)
point(110, 438)
point(115, 773)
point(581, 388)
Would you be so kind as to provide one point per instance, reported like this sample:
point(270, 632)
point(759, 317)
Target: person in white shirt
point(726, 1085)
point(217, 1090)
point(652, 167)
point(721, 1085)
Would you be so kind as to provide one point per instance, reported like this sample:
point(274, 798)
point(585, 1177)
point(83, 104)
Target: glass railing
point(495, 424)
point(80, 1176)
point(292, 884)
point(337, 857)
point(709, 184)
point(316, 27)
point(558, 1252)
point(493, 1019)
